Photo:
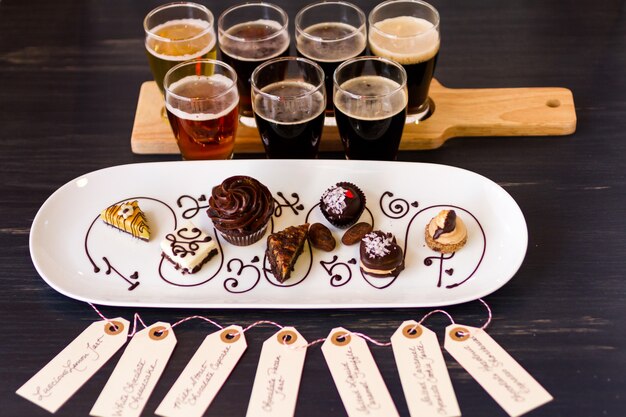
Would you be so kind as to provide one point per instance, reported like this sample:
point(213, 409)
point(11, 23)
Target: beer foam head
point(181, 39)
point(260, 39)
point(289, 102)
point(370, 97)
point(331, 42)
point(202, 97)
point(405, 39)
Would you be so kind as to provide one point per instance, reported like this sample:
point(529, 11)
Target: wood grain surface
point(547, 111)
point(70, 72)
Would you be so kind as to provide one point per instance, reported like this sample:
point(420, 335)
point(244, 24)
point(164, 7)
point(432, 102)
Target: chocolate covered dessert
point(128, 218)
point(446, 232)
point(240, 208)
point(380, 255)
point(284, 248)
point(342, 204)
point(188, 248)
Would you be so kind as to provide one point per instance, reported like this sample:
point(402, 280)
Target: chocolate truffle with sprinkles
point(380, 255)
point(342, 204)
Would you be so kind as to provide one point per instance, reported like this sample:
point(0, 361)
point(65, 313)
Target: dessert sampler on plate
point(241, 207)
point(249, 234)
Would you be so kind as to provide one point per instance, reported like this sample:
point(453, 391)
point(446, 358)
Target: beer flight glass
point(201, 100)
point(175, 33)
point(329, 33)
point(250, 34)
point(370, 96)
point(289, 99)
point(407, 31)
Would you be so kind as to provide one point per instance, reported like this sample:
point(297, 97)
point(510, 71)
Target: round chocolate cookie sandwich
point(342, 204)
point(241, 208)
point(446, 232)
point(380, 255)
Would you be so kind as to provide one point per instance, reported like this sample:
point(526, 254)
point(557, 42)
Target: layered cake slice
point(284, 248)
point(188, 248)
point(128, 218)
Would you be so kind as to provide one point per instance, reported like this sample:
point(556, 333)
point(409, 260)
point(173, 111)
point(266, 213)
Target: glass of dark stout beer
point(175, 33)
point(201, 100)
point(407, 31)
point(250, 34)
point(329, 33)
point(370, 96)
point(289, 99)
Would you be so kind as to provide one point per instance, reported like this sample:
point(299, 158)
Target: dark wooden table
point(70, 71)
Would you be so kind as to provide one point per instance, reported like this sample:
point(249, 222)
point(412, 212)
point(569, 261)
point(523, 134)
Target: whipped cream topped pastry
point(128, 218)
point(446, 232)
point(380, 255)
point(188, 248)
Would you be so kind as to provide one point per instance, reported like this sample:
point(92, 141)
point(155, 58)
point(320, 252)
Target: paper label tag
point(495, 370)
point(204, 375)
point(358, 380)
point(53, 385)
point(278, 375)
point(136, 374)
point(423, 372)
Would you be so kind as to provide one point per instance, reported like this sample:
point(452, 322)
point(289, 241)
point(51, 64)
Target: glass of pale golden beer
point(178, 32)
point(201, 100)
point(250, 34)
point(407, 31)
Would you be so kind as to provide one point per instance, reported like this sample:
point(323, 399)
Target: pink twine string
point(137, 319)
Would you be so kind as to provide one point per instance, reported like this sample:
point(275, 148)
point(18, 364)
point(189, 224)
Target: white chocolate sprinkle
point(335, 199)
point(377, 246)
point(125, 211)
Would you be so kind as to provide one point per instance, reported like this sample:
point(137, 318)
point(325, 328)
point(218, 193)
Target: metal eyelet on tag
point(113, 327)
point(227, 336)
point(460, 334)
point(158, 333)
point(287, 337)
point(340, 338)
point(412, 331)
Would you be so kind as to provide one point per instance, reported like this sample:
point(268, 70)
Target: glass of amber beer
point(289, 99)
point(201, 100)
point(250, 34)
point(175, 33)
point(407, 31)
point(370, 97)
point(329, 33)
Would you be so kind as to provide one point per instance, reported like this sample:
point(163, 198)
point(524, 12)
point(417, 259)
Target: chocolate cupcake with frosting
point(241, 208)
point(380, 255)
point(446, 232)
point(342, 204)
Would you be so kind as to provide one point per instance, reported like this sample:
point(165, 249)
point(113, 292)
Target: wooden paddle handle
point(545, 111)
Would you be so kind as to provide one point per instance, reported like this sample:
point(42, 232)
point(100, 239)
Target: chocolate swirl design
point(186, 241)
point(240, 205)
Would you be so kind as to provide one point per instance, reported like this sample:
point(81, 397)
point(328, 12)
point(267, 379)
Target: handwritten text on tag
point(51, 387)
point(423, 372)
point(136, 374)
point(204, 375)
point(278, 375)
point(358, 380)
point(495, 370)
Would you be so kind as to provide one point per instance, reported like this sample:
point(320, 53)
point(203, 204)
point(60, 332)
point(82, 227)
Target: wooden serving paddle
point(547, 111)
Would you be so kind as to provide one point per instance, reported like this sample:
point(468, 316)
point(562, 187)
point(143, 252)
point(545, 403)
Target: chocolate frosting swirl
point(240, 205)
point(379, 251)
